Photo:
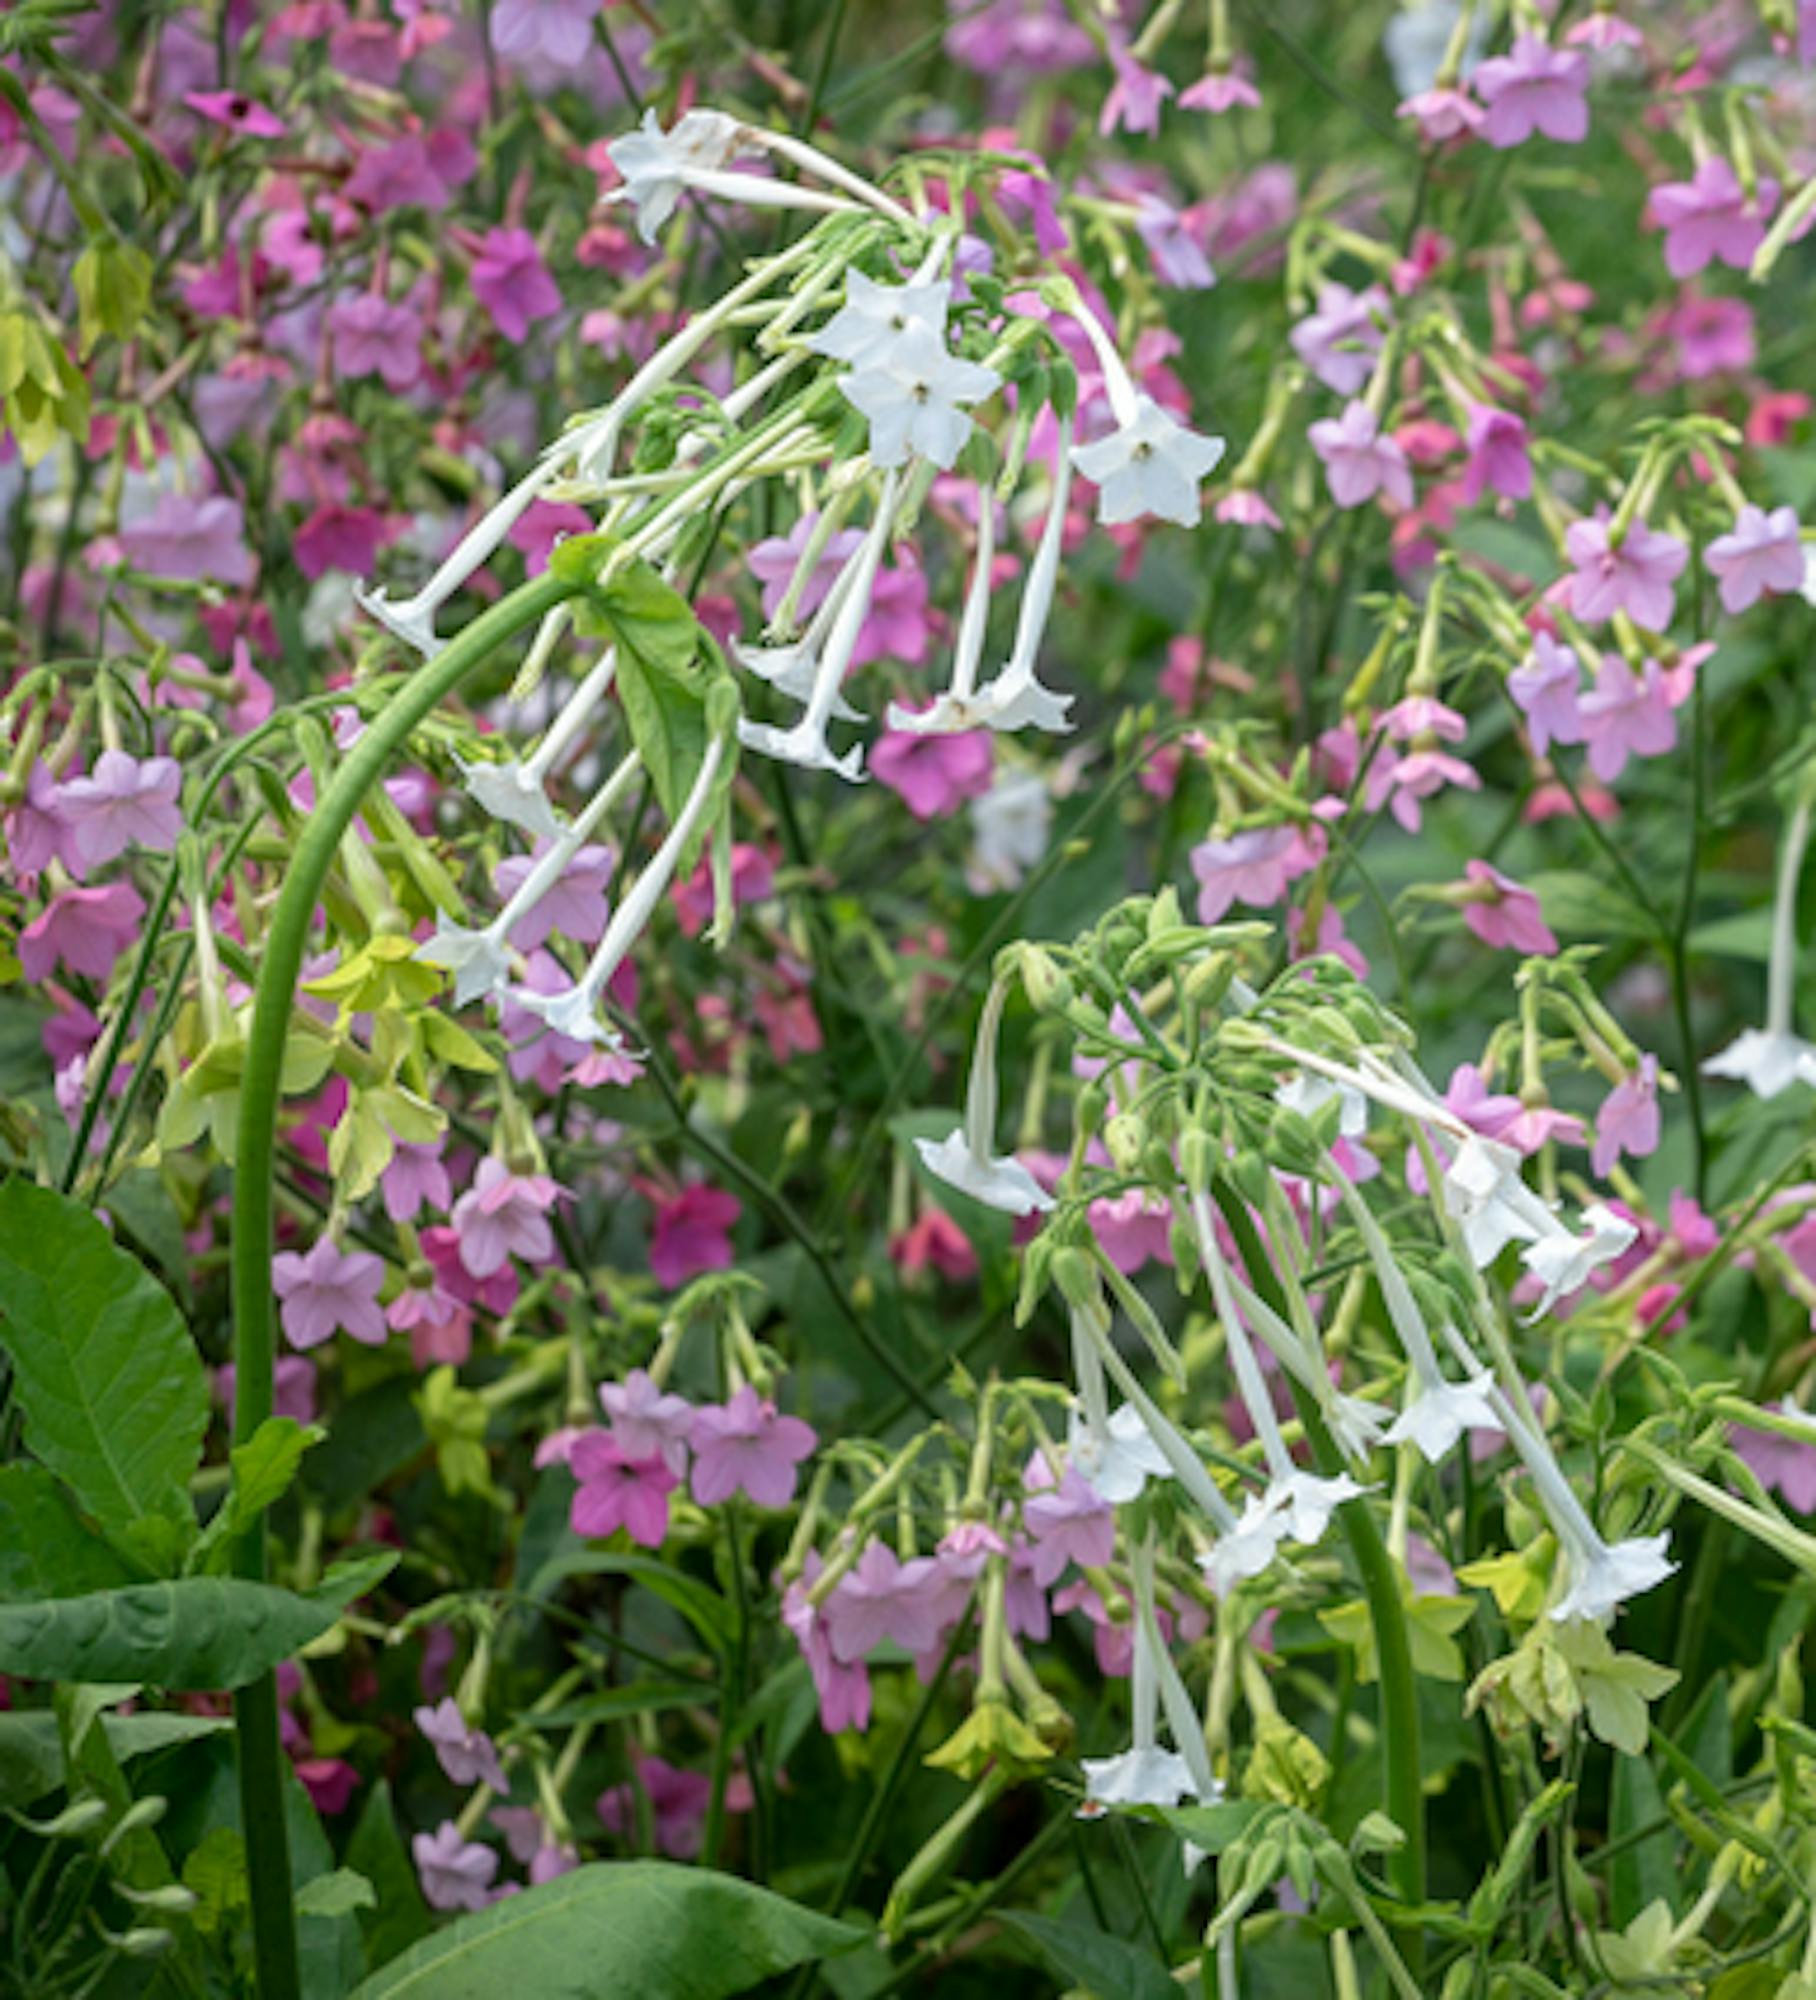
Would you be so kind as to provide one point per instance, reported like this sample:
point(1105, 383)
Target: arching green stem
point(261, 1760)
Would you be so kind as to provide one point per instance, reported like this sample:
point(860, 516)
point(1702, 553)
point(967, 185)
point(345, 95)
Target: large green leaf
point(617, 1930)
point(109, 1381)
point(704, 1609)
point(1093, 1961)
point(377, 1850)
point(31, 1748)
point(198, 1632)
point(45, 1550)
point(1642, 1872)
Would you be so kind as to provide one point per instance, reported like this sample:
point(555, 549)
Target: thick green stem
point(254, 1339)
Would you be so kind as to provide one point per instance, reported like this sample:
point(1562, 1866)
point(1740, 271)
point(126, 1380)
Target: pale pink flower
point(504, 1215)
point(1534, 88)
point(84, 930)
point(456, 1874)
point(1497, 459)
point(881, 1597)
point(1358, 461)
point(1626, 715)
point(1505, 915)
point(188, 537)
point(934, 775)
point(374, 337)
point(1635, 575)
point(1711, 218)
point(647, 1423)
point(747, 1445)
point(326, 1290)
point(617, 1491)
point(1628, 1120)
point(1444, 112)
point(1252, 867)
point(415, 1178)
point(576, 906)
point(124, 802)
point(1220, 90)
point(1069, 1523)
point(512, 282)
point(1546, 685)
point(1135, 98)
point(1761, 557)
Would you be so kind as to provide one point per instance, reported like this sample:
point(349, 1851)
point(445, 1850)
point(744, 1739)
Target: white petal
point(1001, 1183)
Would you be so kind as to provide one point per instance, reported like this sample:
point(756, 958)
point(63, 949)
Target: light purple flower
point(82, 929)
point(1358, 461)
point(465, 1753)
point(456, 1874)
point(646, 1423)
point(1220, 90)
point(1135, 98)
point(881, 1597)
point(1626, 715)
point(746, 1445)
point(1546, 685)
point(1709, 218)
point(556, 32)
point(187, 537)
point(1786, 1464)
point(1762, 557)
point(415, 1177)
point(1036, 36)
point(1251, 867)
point(1628, 1120)
point(512, 282)
point(1177, 255)
point(374, 337)
point(1071, 1522)
point(1636, 576)
point(1534, 88)
point(576, 906)
point(1497, 455)
point(327, 1290)
point(1339, 342)
point(1444, 113)
point(124, 802)
point(504, 1215)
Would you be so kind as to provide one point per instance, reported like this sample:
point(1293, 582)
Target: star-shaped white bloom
point(804, 745)
point(658, 165)
point(512, 793)
point(1146, 1776)
point(998, 1183)
point(914, 396)
point(875, 316)
point(1303, 1503)
point(1356, 1425)
point(1482, 1191)
point(1150, 465)
point(1604, 1578)
point(791, 670)
point(572, 1014)
point(1565, 1262)
point(1246, 1549)
point(1440, 1413)
point(478, 959)
point(1120, 1459)
point(1765, 1062)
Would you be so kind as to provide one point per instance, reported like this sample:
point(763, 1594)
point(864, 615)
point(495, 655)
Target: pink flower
point(1132, 1229)
point(456, 1874)
point(1358, 461)
point(244, 115)
point(440, 1326)
point(880, 1597)
point(773, 563)
point(934, 1241)
point(84, 930)
point(1635, 575)
point(466, 1754)
point(185, 537)
point(374, 337)
point(753, 880)
point(1626, 715)
point(617, 1491)
point(504, 1215)
point(1504, 915)
point(343, 538)
point(1220, 90)
point(843, 1691)
point(1783, 1463)
point(1534, 88)
point(1709, 217)
point(1497, 455)
point(544, 524)
point(691, 1234)
point(1546, 685)
point(934, 775)
point(1404, 783)
point(1069, 1523)
point(413, 172)
point(327, 1290)
point(576, 906)
point(1339, 341)
point(645, 1423)
point(38, 830)
point(511, 281)
point(1029, 35)
point(415, 1177)
point(1135, 98)
point(558, 33)
point(745, 1445)
point(1628, 1119)
point(123, 803)
point(292, 1388)
point(1762, 557)
point(1251, 867)
point(678, 1805)
point(1444, 113)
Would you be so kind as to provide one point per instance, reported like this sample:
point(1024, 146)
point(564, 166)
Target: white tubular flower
point(480, 960)
point(1303, 1503)
point(1016, 698)
point(1147, 1776)
point(575, 1013)
point(1246, 1549)
point(875, 316)
point(1770, 1059)
point(1437, 1415)
point(1484, 1194)
point(957, 709)
point(793, 669)
point(659, 167)
point(1150, 463)
point(1120, 1458)
point(1564, 1262)
point(805, 742)
point(1308, 1094)
point(915, 394)
point(964, 1159)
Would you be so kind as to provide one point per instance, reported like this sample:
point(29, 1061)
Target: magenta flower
point(1628, 1120)
point(1132, 1229)
point(512, 282)
point(466, 1754)
point(1220, 90)
point(843, 1691)
point(327, 1290)
point(456, 1874)
point(544, 524)
point(1339, 341)
point(1135, 98)
point(374, 337)
point(413, 172)
point(645, 1423)
point(1504, 915)
point(84, 930)
point(1251, 867)
point(244, 115)
point(934, 775)
point(1032, 35)
point(1497, 455)
point(1069, 1523)
point(1626, 715)
point(1358, 461)
point(123, 803)
point(616, 1491)
point(1546, 685)
point(38, 830)
point(504, 1215)
point(186, 537)
point(773, 563)
point(691, 1234)
point(343, 538)
point(1710, 218)
point(678, 1802)
point(1762, 557)
point(575, 907)
point(415, 1178)
point(1635, 575)
point(881, 1597)
point(744, 1445)
point(1534, 88)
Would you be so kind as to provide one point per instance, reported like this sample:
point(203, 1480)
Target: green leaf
point(199, 1632)
point(337, 1894)
point(113, 290)
point(110, 1383)
point(615, 1704)
point(1094, 1962)
point(377, 1850)
point(264, 1467)
point(45, 1551)
point(1640, 1874)
point(1211, 1827)
point(216, 1871)
point(31, 1749)
point(703, 1609)
point(661, 681)
point(633, 1930)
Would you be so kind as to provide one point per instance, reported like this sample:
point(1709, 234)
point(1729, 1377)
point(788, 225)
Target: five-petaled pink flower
point(1761, 557)
point(1070, 1522)
point(1135, 98)
point(934, 774)
point(1339, 341)
point(124, 802)
point(1634, 574)
point(645, 1422)
point(1251, 867)
point(881, 1597)
point(746, 1445)
point(692, 1234)
point(326, 1290)
point(617, 1491)
point(512, 282)
point(374, 337)
point(1505, 915)
point(1711, 218)
point(575, 907)
point(1220, 90)
point(84, 930)
point(1627, 715)
point(456, 1873)
point(1358, 461)
point(1546, 685)
point(1534, 88)
point(504, 1215)
point(1628, 1119)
